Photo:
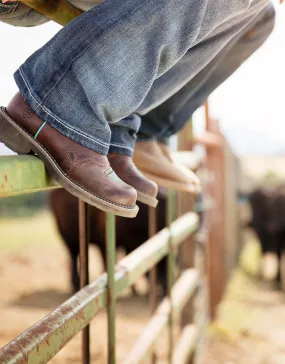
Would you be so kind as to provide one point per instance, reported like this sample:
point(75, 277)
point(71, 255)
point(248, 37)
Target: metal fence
point(180, 242)
point(187, 286)
point(41, 342)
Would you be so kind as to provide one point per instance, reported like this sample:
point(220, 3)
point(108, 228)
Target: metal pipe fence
point(45, 339)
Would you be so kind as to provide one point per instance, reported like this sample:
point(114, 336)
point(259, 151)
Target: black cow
point(130, 233)
point(268, 221)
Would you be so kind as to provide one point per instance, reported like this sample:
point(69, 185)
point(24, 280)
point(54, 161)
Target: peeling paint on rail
point(46, 338)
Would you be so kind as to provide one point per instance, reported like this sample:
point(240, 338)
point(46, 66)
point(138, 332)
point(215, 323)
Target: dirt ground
point(250, 328)
point(34, 280)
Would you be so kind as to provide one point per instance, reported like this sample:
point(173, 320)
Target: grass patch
point(234, 317)
point(16, 233)
point(250, 257)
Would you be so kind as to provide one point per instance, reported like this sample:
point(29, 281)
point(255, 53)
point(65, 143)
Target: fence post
point(188, 247)
point(232, 208)
point(84, 270)
point(152, 230)
point(215, 218)
point(111, 294)
point(185, 142)
point(170, 270)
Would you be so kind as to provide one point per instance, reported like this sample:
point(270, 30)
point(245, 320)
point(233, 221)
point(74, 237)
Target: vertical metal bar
point(152, 230)
point(111, 295)
point(84, 271)
point(170, 271)
point(180, 211)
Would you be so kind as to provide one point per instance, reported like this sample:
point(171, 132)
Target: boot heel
point(11, 137)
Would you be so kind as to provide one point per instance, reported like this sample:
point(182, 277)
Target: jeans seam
point(54, 117)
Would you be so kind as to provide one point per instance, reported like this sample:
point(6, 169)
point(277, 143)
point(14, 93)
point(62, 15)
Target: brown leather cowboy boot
point(81, 171)
point(125, 168)
point(157, 166)
point(185, 166)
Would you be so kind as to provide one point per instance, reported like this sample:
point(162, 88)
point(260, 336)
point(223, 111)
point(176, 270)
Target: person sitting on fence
point(106, 71)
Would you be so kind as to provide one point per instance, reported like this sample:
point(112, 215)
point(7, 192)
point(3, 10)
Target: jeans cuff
point(35, 103)
point(121, 149)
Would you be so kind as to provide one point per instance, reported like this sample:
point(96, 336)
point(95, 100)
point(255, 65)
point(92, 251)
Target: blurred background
point(34, 264)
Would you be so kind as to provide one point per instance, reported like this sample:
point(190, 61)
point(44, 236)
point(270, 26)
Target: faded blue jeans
point(126, 57)
point(171, 116)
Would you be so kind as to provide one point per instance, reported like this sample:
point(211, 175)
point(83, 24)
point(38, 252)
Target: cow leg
point(73, 250)
point(282, 261)
point(282, 271)
point(270, 260)
point(74, 272)
point(270, 264)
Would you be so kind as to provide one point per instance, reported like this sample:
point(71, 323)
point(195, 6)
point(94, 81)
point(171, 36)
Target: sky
point(250, 105)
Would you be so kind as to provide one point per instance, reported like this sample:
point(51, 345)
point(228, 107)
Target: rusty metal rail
point(46, 338)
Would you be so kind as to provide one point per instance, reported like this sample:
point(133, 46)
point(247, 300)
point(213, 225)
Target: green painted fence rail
point(46, 338)
point(182, 291)
point(23, 174)
point(186, 344)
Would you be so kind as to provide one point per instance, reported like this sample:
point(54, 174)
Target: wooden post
point(215, 218)
point(187, 249)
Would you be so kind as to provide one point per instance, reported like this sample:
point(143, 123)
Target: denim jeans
point(171, 116)
point(123, 57)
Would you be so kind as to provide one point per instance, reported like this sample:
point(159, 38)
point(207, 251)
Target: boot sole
point(146, 199)
point(164, 182)
point(20, 141)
